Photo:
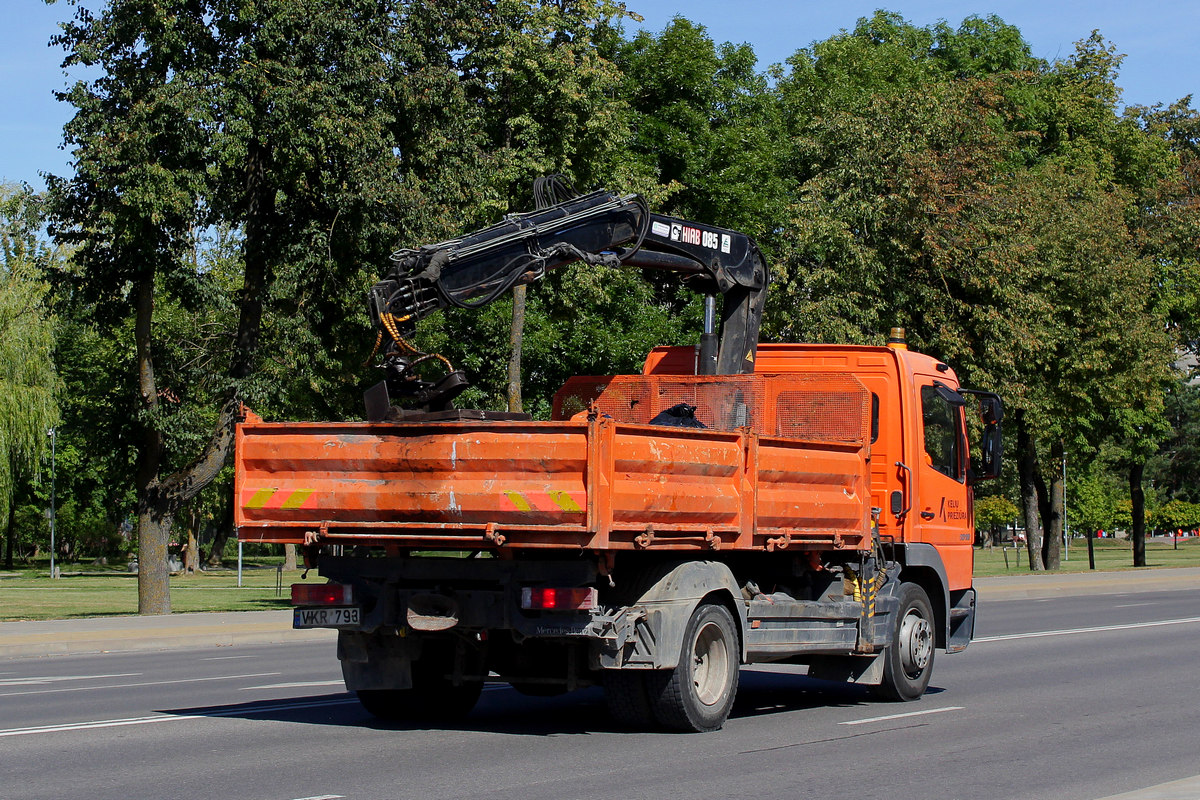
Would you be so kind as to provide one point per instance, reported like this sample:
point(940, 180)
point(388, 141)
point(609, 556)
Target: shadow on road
point(502, 709)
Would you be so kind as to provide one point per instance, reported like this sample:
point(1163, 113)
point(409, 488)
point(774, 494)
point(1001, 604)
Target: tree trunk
point(289, 557)
point(516, 337)
point(154, 575)
point(1138, 500)
point(10, 535)
point(191, 557)
point(224, 529)
point(1053, 519)
point(1043, 505)
point(154, 526)
point(1027, 469)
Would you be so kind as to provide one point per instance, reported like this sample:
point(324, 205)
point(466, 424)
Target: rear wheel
point(908, 661)
point(434, 694)
point(698, 694)
point(626, 697)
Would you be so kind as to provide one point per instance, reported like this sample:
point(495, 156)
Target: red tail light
point(322, 594)
point(545, 598)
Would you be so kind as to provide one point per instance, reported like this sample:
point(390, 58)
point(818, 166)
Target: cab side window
point(943, 445)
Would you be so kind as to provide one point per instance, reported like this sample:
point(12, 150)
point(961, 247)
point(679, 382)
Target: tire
point(908, 661)
point(539, 689)
point(698, 694)
point(626, 698)
point(433, 695)
point(444, 703)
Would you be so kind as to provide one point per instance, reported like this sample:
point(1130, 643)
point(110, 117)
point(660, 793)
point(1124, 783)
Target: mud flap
point(371, 661)
point(866, 670)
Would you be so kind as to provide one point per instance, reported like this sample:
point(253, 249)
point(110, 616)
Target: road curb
point(1043, 586)
point(167, 632)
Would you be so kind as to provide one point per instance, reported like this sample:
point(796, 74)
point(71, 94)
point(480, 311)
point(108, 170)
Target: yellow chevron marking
point(297, 499)
point(518, 500)
point(260, 498)
point(564, 501)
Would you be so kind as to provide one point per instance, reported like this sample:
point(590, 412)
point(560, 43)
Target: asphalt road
point(1074, 698)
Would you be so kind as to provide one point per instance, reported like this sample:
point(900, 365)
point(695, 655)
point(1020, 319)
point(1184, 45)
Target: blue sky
point(1158, 39)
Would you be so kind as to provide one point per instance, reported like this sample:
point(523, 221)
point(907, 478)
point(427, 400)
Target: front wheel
point(698, 694)
point(908, 661)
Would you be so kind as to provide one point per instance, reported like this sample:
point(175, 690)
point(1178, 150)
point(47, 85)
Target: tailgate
point(417, 480)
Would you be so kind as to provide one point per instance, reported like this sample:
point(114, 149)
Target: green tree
point(511, 91)
point(1177, 515)
point(1175, 468)
point(707, 127)
point(261, 116)
point(28, 382)
point(1097, 499)
point(994, 512)
point(992, 205)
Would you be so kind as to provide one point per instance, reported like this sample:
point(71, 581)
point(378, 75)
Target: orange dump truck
point(657, 533)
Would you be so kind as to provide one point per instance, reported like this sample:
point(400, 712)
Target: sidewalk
point(168, 632)
point(116, 634)
point(1035, 586)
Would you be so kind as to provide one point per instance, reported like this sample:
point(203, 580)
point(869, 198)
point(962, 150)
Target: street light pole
point(53, 452)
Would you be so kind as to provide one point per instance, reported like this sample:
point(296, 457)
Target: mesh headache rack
point(815, 407)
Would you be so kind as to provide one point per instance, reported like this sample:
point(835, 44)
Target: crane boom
point(601, 228)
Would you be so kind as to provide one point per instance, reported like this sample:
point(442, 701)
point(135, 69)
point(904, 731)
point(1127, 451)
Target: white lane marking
point(120, 723)
point(42, 680)
point(1097, 629)
point(1183, 789)
point(298, 685)
point(492, 687)
point(902, 716)
point(225, 658)
point(144, 683)
point(323, 797)
point(1134, 605)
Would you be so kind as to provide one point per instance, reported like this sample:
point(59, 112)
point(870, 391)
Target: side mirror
point(991, 449)
point(992, 410)
point(991, 454)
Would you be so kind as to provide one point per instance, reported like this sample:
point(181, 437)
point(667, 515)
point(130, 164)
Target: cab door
point(943, 516)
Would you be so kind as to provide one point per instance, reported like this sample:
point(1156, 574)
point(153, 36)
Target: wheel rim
point(710, 664)
point(916, 643)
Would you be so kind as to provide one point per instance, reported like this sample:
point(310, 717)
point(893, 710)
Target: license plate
point(334, 617)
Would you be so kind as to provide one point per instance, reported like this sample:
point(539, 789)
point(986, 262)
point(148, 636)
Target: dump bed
point(781, 463)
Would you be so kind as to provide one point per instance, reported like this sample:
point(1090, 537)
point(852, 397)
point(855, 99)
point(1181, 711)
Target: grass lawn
point(89, 591)
point(1111, 554)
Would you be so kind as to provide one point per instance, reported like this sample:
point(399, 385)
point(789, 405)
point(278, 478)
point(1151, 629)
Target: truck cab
point(921, 481)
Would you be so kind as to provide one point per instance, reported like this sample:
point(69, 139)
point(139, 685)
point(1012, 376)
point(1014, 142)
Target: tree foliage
point(997, 207)
point(259, 117)
point(28, 381)
point(243, 168)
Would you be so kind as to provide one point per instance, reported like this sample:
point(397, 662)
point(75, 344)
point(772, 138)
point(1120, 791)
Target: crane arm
point(601, 228)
